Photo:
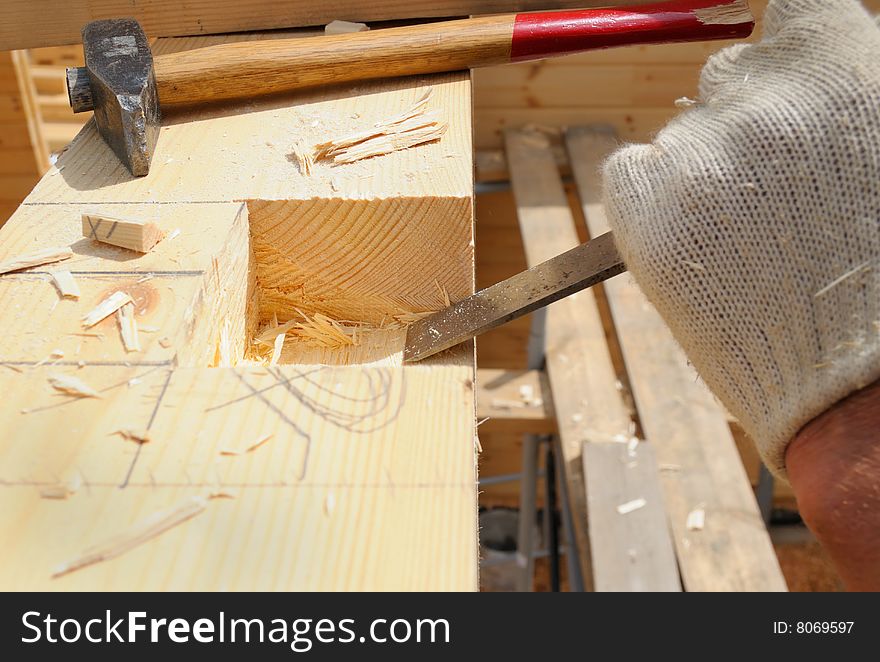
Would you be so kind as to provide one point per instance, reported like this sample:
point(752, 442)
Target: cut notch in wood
point(135, 235)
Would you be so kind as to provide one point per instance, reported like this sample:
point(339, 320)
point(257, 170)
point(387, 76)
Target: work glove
point(752, 222)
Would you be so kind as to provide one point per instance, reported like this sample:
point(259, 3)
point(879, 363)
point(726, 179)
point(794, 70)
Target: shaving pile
point(317, 330)
point(414, 126)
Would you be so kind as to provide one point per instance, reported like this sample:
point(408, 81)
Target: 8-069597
point(813, 627)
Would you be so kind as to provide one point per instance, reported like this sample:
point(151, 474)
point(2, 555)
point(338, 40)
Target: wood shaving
point(329, 504)
point(135, 435)
point(137, 534)
point(254, 445)
point(62, 490)
point(66, 284)
point(345, 27)
point(413, 127)
point(303, 159)
point(165, 343)
point(631, 506)
point(106, 308)
point(72, 386)
point(278, 346)
point(128, 328)
point(35, 259)
point(224, 349)
point(696, 520)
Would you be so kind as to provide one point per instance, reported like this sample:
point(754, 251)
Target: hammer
point(125, 85)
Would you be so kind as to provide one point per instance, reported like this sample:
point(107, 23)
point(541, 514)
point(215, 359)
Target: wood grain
point(368, 480)
point(24, 24)
point(680, 417)
point(587, 404)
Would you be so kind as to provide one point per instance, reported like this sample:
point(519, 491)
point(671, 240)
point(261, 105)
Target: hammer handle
point(247, 69)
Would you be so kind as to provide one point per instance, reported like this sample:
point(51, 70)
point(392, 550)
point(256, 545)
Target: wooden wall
point(634, 89)
point(20, 163)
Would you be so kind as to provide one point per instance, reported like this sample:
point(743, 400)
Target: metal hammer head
point(119, 84)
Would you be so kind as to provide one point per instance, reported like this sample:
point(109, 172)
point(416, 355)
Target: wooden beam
point(333, 499)
point(680, 417)
point(588, 406)
point(24, 24)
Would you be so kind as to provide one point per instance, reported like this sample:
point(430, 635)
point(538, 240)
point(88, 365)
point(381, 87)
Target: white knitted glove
point(752, 222)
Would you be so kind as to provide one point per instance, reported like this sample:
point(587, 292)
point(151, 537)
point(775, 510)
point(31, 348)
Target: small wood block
point(134, 235)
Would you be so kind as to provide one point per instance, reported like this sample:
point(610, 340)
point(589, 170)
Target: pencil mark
point(155, 411)
point(93, 229)
point(286, 419)
point(262, 390)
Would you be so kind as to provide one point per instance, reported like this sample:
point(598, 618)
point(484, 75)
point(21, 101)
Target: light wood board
point(582, 379)
point(701, 467)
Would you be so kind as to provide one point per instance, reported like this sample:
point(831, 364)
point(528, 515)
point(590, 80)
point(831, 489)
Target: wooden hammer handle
point(247, 69)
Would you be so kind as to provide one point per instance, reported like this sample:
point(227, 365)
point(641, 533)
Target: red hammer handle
point(248, 69)
point(541, 35)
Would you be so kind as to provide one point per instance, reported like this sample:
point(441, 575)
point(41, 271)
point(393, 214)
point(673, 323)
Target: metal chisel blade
point(575, 270)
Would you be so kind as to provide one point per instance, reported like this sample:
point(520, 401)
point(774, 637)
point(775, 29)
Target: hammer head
point(119, 84)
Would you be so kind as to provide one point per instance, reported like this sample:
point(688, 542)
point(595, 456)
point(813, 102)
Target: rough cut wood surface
point(368, 480)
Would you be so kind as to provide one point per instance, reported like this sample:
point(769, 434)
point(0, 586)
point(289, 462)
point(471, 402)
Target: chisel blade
point(575, 270)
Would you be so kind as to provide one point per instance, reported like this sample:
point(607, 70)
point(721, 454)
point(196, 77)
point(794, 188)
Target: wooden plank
point(632, 551)
point(549, 84)
point(518, 395)
point(333, 500)
point(632, 123)
point(24, 24)
point(582, 378)
point(682, 420)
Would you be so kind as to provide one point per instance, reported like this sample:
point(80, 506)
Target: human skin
point(834, 468)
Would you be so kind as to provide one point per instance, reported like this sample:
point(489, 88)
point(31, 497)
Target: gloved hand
point(752, 222)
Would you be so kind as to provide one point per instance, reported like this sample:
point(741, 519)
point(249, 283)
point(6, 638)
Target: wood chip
point(135, 235)
point(303, 159)
point(630, 506)
point(106, 308)
point(329, 504)
point(345, 27)
point(128, 328)
point(254, 445)
point(35, 259)
point(696, 520)
point(72, 386)
point(137, 534)
point(66, 284)
point(277, 347)
point(138, 436)
point(413, 127)
point(62, 490)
